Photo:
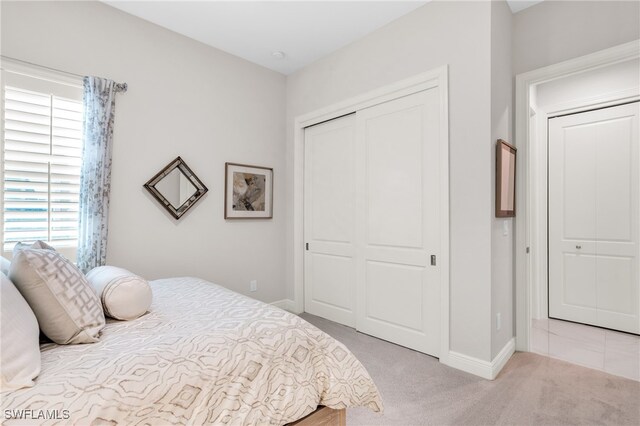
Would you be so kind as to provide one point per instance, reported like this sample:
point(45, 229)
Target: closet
point(594, 219)
point(372, 195)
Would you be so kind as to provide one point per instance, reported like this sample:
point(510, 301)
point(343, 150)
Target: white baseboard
point(469, 364)
point(503, 357)
point(485, 369)
point(286, 304)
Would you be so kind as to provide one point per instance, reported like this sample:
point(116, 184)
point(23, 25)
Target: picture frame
point(248, 191)
point(505, 179)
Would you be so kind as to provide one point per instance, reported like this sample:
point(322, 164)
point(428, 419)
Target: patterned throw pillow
point(125, 296)
point(37, 245)
point(5, 263)
point(66, 307)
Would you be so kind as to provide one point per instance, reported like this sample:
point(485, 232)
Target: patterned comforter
point(202, 355)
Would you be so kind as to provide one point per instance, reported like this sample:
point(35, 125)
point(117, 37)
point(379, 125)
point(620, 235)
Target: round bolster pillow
point(124, 295)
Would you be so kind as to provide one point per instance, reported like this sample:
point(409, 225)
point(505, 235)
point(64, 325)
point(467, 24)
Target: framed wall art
point(248, 192)
point(505, 179)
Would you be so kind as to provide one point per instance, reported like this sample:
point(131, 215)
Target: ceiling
point(304, 31)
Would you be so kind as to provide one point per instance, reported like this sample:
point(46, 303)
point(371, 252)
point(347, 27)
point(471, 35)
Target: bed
point(201, 355)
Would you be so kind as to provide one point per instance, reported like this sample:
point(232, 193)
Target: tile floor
point(605, 350)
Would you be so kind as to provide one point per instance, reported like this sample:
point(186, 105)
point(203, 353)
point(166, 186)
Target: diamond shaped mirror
point(176, 187)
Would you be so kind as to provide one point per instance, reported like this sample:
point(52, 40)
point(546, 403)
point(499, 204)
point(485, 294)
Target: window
point(42, 149)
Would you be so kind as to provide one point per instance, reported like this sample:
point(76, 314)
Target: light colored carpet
point(531, 389)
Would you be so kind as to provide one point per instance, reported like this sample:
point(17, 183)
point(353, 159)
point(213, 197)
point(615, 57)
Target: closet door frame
point(436, 78)
point(530, 135)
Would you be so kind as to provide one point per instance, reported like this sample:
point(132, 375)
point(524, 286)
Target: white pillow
point(124, 295)
point(4, 265)
point(19, 346)
point(67, 309)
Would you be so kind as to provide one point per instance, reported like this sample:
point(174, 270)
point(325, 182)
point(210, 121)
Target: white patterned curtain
point(95, 178)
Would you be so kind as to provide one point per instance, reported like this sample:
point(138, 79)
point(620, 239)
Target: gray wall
point(502, 259)
point(554, 31)
point(184, 99)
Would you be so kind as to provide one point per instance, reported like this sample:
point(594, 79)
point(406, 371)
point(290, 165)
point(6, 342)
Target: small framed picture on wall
point(505, 179)
point(248, 192)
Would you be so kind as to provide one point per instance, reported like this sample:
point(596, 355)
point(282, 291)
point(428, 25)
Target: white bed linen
point(202, 355)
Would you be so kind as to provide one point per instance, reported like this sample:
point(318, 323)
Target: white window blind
point(42, 159)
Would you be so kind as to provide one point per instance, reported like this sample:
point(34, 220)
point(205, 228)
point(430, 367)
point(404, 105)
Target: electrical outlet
point(505, 227)
point(253, 285)
point(498, 321)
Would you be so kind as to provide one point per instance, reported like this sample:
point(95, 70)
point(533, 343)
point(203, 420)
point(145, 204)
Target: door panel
point(579, 197)
point(398, 305)
point(330, 181)
point(614, 182)
point(332, 275)
point(398, 152)
point(580, 282)
point(615, 292)
point(331, 171)
point(594, 219)
point(394, 176)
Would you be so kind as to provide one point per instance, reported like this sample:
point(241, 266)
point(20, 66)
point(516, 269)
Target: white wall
point(502, 278)
point(439, 33)
point(184, 99)
point(588, 85)
point(554, 31)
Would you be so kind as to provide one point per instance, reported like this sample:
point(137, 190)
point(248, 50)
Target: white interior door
point(594, 220)
point(329, 221)
point(398, 227)
point(372, 220)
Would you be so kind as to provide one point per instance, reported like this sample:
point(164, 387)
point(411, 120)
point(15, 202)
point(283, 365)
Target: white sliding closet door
point(399, 227)
point(330, 220)
point(594, 218)
point(372, 220)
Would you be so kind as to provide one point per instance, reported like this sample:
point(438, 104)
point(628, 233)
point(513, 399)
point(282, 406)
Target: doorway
point(565, 89)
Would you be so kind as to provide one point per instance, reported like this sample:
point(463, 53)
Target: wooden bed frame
point(323, 416)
